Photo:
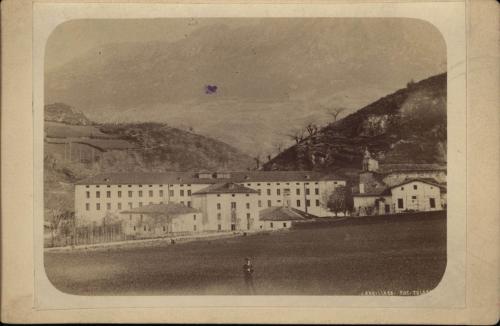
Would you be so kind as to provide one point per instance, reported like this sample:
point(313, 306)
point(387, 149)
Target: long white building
point(116, 192)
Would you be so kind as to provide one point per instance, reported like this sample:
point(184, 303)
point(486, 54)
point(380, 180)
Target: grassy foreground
point(396, 255)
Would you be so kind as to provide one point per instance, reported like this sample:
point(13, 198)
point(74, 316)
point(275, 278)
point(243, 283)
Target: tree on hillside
point(312, 129)
point(340, 200)
point(296, 134)
point(334, 112)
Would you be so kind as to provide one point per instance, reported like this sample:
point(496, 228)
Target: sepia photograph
point(245, 156)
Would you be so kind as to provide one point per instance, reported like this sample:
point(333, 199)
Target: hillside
point(408, 126)
point(60, 112)
point(271, 74)
point(124, 147)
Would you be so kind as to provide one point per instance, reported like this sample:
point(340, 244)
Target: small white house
point(417, 195)
point(161, 219)
point(281, 217)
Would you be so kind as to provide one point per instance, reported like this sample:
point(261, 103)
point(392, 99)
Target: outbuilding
point(281, 217)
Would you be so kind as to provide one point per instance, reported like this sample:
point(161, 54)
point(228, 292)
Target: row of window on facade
point(432, 202)
point(189, 185)
point(130, 205)
point(286, 192)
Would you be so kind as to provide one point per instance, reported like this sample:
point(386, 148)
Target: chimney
point(361, 188)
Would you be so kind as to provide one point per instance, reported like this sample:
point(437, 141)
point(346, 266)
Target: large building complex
point(227, 200)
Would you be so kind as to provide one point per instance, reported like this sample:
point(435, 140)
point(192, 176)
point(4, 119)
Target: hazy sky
point(272, 74)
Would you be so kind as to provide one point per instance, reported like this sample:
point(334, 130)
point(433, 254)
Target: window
point(182, 192)
point(307, 191)
point(284, 225)
point(88, 194)
point(400, 202)
point(119, 205)
point(218, 205)
point(259, 192)
point(129, 205)
point(297, 191)
point(189, 203)
point(308, 203)
point(317, 202)
point(218, 216)
point(272, 225)
point(268, 203)
point(182, 202)
point(247, 195)
point(108, 194)
point(108, 206)
point(413, 197)
point(129, 194)
point(194, 217)
point(316, 191)
point(119, 194)
point(87, 206)
point(402, 188)
point(171, 193)
point(140, 204)
point(164, 228)
point(161, 193)
point(194, 227)
point(151, 193)
point(432, 202)
point(98, 206)
point(97, 194)
point(248, 205)
point(269, 192)
point(140, 186)
point(134, 227)
point(144, 228)
point(259, 203)
point(415, 187)
point(248, 215)
point(278, 192)
point(233, 205)
point(140, 193)
point(189, 192)
point(298, 203)
point(219, 227)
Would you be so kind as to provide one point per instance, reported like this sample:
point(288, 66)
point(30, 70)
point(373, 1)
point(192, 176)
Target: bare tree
point(312, 129)
point(296, 134)
point(334, 112)
point(257, 161)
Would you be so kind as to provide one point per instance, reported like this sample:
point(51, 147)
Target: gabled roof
point(428, 181)
point(409, 167)
point(225, 188)
point(171, 208)
point(281, 213)
point(373, 192)
point(194, 178)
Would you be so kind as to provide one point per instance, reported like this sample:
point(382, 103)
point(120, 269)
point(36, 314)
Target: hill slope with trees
point(408, 126)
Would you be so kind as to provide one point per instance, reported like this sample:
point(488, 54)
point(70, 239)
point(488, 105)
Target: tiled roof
point(281, 213)
point(373, 192)
point(429, 181)
point(170, 208)
point(225, 188)
point(192, 177)
point(407, 167)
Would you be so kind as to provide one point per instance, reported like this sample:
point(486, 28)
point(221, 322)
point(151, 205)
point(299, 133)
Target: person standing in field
point(248, 276)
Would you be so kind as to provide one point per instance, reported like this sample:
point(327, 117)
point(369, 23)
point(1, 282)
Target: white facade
point(143, 225)
point(274, 225)
point(416, 196)
point(228, 211)
point(93, 201)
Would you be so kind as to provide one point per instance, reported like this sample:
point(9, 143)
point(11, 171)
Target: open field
point(350, 257)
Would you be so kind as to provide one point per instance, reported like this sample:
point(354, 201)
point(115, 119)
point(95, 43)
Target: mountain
point(408, 126)
point(127, 147)
point(271, 74)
